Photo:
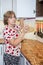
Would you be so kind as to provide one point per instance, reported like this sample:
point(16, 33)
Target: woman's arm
point(21, 23)
point(15, 42)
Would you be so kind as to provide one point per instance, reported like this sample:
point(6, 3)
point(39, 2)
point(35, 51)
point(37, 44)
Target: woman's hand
point(25, 29)
point(21, 23)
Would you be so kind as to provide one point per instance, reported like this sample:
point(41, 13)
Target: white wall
point(30, 22)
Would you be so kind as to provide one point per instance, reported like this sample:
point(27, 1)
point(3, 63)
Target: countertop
point(1, 40)
point(33, 51)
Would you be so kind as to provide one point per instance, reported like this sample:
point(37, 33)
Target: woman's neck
point(11, 26)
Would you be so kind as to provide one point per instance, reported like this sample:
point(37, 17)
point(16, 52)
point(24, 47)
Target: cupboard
point(22, 8)
point(26, 8)
point(1, 54)
point(7, 5)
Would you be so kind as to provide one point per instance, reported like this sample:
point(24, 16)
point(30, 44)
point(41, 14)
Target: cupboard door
point(14, 6)
point(23, 60)
point(5, 6)
point(27, 63)
point(0, 9)
point(26, 8)
point(1, 54)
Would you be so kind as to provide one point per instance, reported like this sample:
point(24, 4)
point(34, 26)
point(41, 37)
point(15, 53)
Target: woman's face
point(12, 20)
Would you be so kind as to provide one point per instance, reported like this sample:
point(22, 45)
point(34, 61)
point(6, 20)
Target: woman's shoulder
point(5, 28)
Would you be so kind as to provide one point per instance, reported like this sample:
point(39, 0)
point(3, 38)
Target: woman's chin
point(13, 24)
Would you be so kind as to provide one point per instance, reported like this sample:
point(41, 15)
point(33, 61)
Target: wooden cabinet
point(39, 8)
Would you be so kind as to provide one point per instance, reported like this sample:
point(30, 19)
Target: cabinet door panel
point(25, 8)
point(1, 54)
point(5, 6)
point(14, 6)
point(23, 60)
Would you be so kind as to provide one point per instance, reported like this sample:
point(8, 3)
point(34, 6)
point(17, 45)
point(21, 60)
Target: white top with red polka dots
point(9, 33)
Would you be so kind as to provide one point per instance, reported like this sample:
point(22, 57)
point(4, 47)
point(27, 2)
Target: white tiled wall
point(31, 23)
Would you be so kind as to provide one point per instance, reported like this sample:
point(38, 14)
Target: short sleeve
point(7, 34)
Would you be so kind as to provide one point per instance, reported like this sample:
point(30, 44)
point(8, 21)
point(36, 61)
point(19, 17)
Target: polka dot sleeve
point(7, 34)
point(10, 34)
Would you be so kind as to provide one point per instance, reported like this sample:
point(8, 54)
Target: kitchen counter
point(33, 51)
point(1, 40)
